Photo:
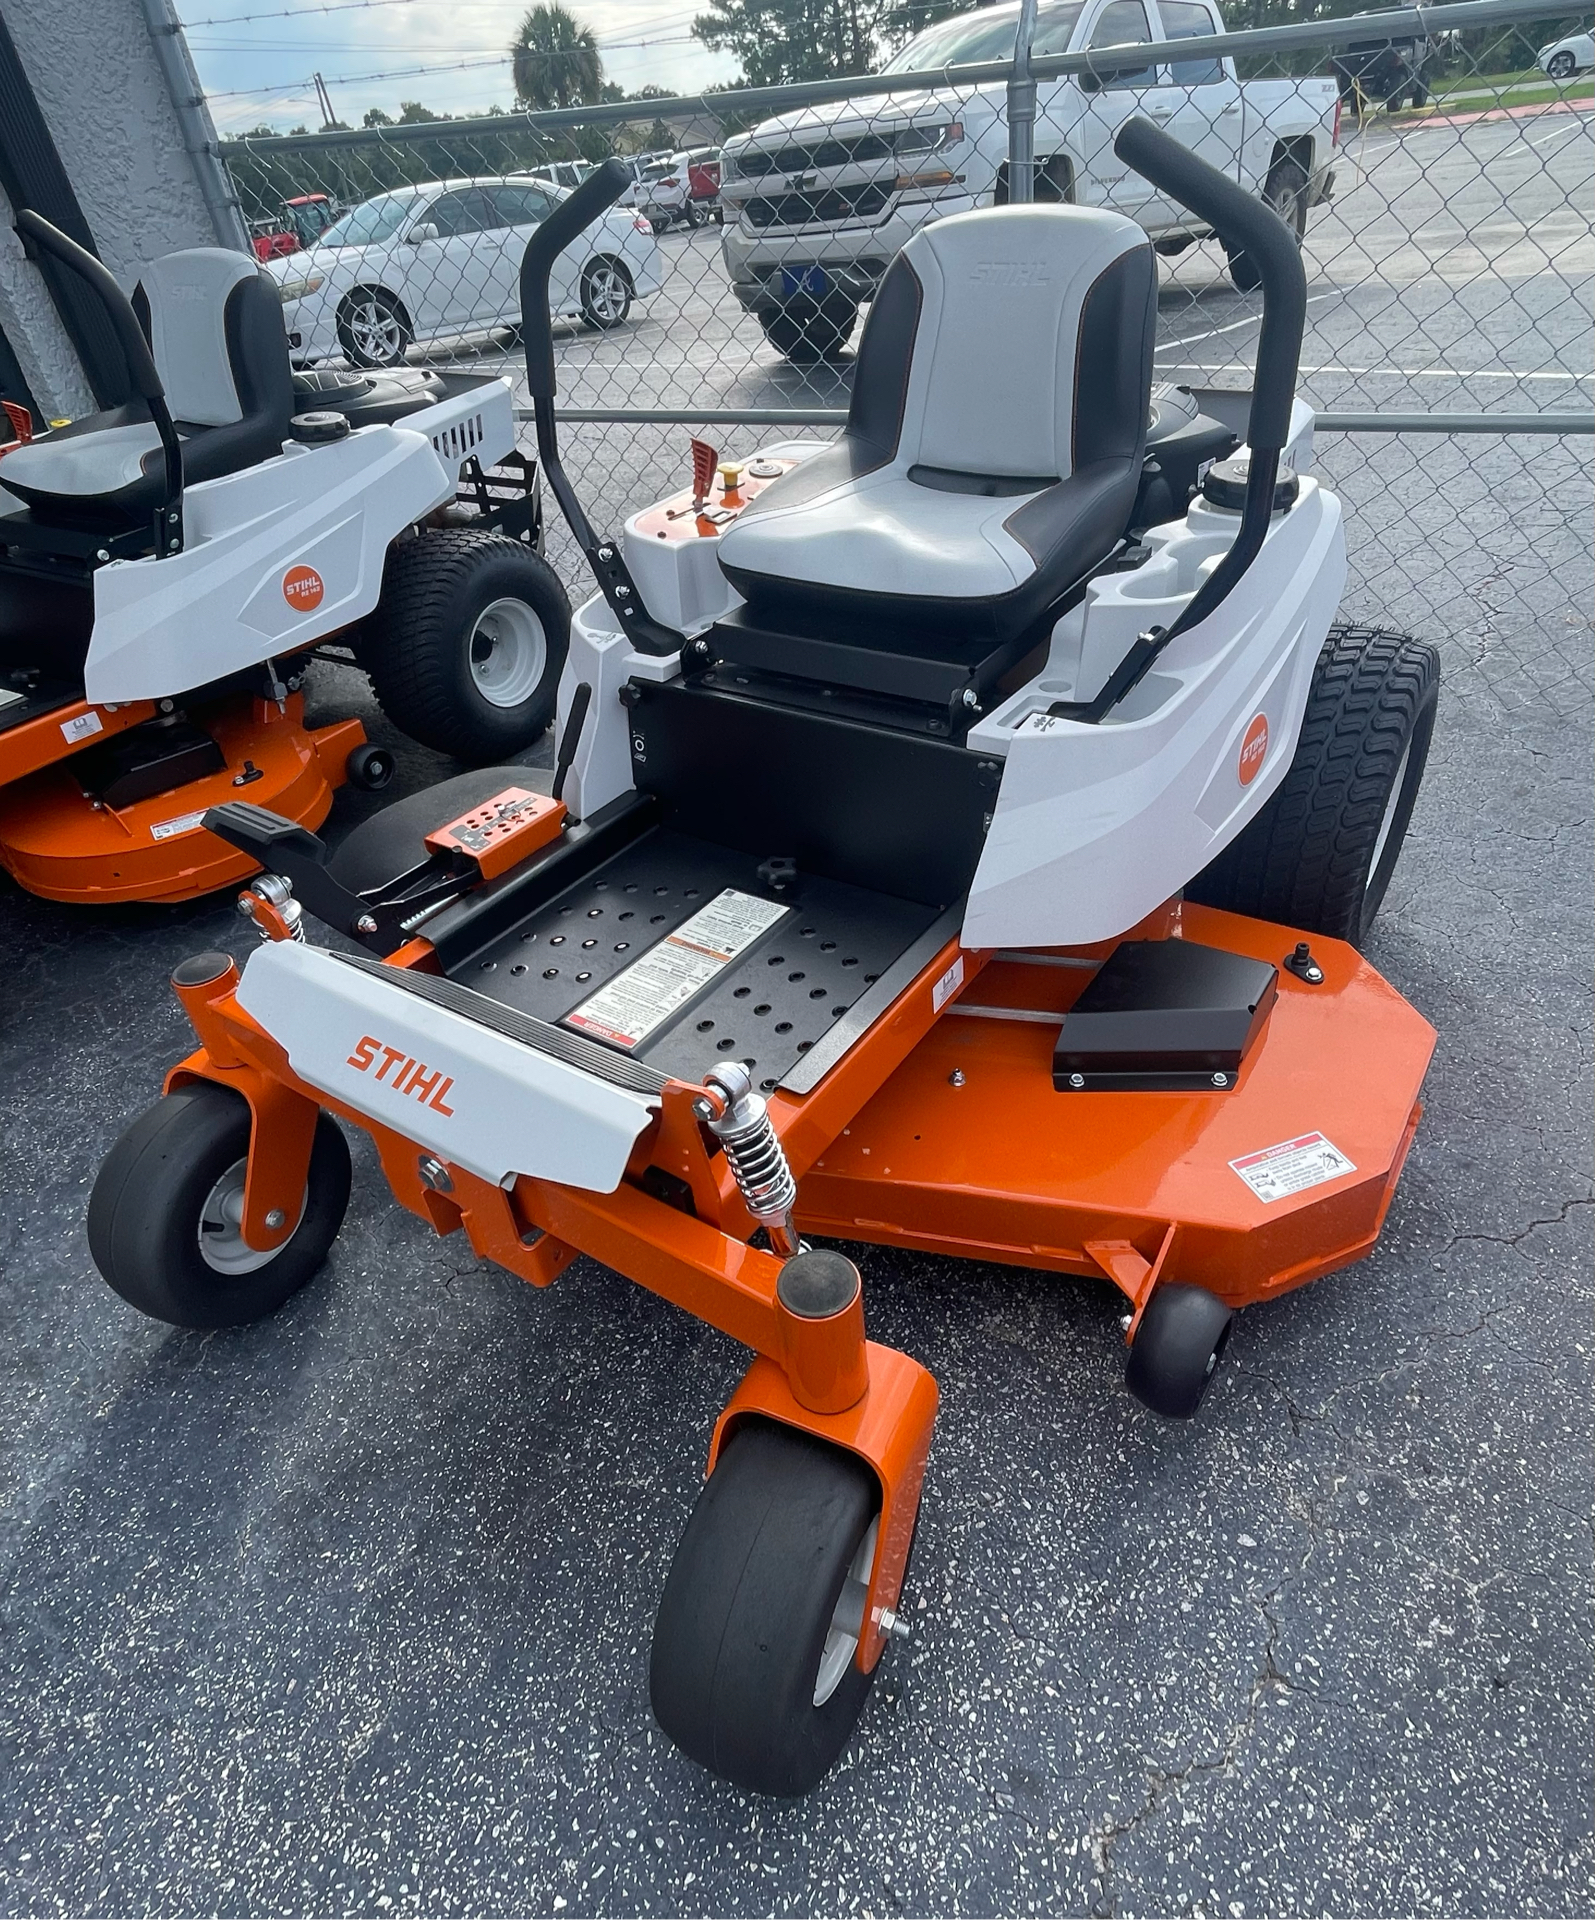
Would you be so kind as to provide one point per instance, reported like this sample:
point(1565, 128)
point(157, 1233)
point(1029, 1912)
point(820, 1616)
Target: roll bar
point(141, 366)
point(596, 194)
point(1244, 225)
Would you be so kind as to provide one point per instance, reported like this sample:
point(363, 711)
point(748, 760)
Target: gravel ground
point(350, 1610)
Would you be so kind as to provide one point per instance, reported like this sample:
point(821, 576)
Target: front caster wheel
point(753, 1672)
point(1178, 1345)
point(165, 1213)
point(369, 768)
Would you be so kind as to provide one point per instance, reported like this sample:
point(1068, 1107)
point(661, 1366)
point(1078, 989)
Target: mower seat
point(995, 438)
point(214, 323)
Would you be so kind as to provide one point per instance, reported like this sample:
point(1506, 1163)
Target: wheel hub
point(509, 653)
point(222, 1245)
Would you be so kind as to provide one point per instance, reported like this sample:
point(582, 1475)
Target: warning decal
point(184, 823)
point(659, 984)
point(82, 726)
point(1275, 1173)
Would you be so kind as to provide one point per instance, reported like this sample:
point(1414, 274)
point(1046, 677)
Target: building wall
point(95, 72)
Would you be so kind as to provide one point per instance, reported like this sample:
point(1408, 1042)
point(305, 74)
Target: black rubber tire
point(370, 768)
point(809, 331)
point(417, 645)
point(693, 215)
point(356, 355)
point(1419, 95)
point(593, 318)
point(1561, 66)
point(1306, 859)
point(145, 1209)
point(1285, 191)
point(391, 842)
point(746, 1607)
point(1178, 1346)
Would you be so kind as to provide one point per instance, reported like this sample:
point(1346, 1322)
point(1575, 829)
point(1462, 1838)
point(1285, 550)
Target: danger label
point(661, 983)
point(184, 823)
point(1275, 1173)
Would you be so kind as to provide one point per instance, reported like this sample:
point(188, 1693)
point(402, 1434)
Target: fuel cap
point(1224, 484)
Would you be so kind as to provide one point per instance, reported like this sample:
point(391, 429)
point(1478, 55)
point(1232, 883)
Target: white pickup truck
point(816, 202)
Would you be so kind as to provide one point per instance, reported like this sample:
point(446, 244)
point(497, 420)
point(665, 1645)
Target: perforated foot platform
point(678, 953)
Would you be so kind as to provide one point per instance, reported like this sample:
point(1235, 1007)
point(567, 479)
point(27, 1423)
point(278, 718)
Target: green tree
point(782, 40)
point(554, 59)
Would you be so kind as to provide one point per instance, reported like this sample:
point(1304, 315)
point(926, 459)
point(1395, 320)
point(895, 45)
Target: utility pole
point(324, 99)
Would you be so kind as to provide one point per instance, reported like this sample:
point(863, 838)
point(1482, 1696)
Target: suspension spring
point(740, 1121)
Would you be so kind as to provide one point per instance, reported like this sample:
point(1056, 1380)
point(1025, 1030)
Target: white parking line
point(1572, 126)
point(1251, 320)
point(1412, 373)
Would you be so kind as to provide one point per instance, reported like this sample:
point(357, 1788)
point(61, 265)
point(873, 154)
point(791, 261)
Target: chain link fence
point(1437, 166)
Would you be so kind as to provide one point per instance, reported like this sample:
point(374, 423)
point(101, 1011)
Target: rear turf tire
point(430, 656)
point(752, 1596)
point(1320, 854)
point(170, 1190)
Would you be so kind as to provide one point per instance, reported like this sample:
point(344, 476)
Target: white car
point(1563, 58)
point(444, 259)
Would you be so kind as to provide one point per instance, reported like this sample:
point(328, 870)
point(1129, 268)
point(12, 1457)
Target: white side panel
point(235, 594)
point(1097, 825)
point(602, 656)
point(467, 1094)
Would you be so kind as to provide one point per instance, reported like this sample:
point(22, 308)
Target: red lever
point(21, 421)
point(704, 461)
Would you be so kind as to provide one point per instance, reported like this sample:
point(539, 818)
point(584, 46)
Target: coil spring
point(756, 1157)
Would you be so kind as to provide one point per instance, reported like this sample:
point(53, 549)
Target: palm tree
point(555, 59)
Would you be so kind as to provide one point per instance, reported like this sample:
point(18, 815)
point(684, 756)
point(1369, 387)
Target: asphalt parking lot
point(351, 1610)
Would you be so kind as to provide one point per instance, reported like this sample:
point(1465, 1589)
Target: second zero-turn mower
point(167, 568)
point(961, 839)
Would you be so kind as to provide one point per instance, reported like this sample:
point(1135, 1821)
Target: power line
point(358, 79)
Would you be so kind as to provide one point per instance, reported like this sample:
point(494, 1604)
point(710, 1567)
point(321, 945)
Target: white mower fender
point(1097, 825)
point(280, 555)
point(466, 1093)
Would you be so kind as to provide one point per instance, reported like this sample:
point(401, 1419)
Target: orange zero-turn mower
point(166, 568)
point(1018, 922)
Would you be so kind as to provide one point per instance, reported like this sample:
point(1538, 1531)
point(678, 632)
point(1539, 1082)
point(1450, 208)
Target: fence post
point(1022, 111)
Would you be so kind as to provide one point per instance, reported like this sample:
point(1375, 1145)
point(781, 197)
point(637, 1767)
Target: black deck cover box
point(1164, 1016)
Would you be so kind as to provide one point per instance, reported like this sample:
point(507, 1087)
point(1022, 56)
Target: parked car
point(703, 178)
point(1387, 73)
point(301, 223)
point(445, 258)
point(564, 173)
point(819, 200)
point(1563, 58)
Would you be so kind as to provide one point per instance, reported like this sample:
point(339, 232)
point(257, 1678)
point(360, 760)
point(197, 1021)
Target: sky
point(255, 57)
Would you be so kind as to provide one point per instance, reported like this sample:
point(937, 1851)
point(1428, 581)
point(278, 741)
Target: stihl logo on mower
point(402, 1073)
point(1254, 750)
point(302, 588)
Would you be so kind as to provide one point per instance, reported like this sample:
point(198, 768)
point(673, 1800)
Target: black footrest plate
point(1164, 1016)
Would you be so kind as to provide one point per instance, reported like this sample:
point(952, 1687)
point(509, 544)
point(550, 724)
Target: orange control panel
point(687, 518)
point(502, 830)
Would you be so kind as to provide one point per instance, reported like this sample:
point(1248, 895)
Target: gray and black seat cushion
point(214, 323)
point(995, 438)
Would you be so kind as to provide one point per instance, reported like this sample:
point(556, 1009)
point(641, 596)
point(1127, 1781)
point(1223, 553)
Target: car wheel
point(808, 330)
point(692, 213)
point(1285, 191)
point(373, 328)
point(606, 294)
point(1561, 65)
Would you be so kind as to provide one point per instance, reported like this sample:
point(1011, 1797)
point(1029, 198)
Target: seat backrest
point(1010, 342)
point(214, 322)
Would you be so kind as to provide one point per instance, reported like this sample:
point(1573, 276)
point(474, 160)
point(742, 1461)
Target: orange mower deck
point(59, 842)
point(939, 1130)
